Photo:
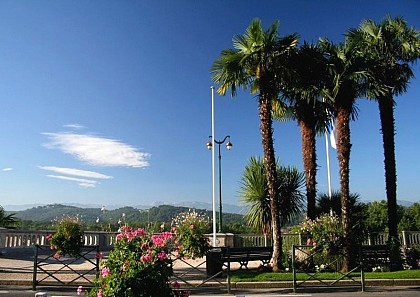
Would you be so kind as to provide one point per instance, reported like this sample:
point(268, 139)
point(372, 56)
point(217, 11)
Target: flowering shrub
point(190, 228)
point(411, 258)
point(68, 238)
point(325, 233)
point(139, 265)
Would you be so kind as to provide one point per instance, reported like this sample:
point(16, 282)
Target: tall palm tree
point(303, 95)
point(393, 47)
point(347, 82)
point(255, 63)
point(254, 191)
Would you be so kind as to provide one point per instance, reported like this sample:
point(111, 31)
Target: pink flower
point(99, 255)
point(167, 235)
point(80, 290)
point(48, 237)
point(146, 258)
point(308, 242)
point(140, 232)
point(56, 256)
point(99, 294)
point(162, 255)
point(105, 272)
point(158, 240)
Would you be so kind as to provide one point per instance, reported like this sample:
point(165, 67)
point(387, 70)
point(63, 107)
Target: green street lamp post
point(228, 146)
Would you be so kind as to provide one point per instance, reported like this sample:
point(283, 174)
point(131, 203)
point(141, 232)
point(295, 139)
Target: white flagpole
point(327, 150)
point(212, 166)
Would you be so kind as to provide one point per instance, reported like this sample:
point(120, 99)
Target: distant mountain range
point(228, 208)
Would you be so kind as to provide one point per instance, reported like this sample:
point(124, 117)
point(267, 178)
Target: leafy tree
point(257, 62)
point(414, 212)
point(392, 46)
point(377, 216)
point(255, 192)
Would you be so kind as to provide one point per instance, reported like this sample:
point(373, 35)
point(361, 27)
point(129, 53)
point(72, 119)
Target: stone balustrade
point(18, 239)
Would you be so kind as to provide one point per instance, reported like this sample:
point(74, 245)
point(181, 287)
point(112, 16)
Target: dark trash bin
point(214, 261)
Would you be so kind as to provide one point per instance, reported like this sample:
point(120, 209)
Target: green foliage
point(410, 220)
point(377, 216)
point(325, 233)
point(190, 228)
point(68, 238)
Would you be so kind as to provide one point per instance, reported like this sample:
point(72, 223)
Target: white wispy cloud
point(96, 150)
point(76, 172)
point(73, 126)
point(82, 182)
point(7, 169)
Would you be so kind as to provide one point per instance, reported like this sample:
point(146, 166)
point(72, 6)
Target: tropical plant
point(68, 237)
point(302, 92)
point(7, 220)
point(346, 82)
point(392, 46)
point(190, 228)
point(256, 62)
point(254, 191)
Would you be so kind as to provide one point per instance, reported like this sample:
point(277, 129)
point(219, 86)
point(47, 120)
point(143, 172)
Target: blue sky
point(109, 102)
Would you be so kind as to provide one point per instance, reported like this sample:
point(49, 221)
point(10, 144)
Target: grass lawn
point(256, 276)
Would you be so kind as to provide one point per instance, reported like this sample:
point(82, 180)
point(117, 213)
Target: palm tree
point(392, 46)
point(255, 192)
point(358, 209)
point(347, 82)
point(7, 220)
point(256, 63)
point(303, 95)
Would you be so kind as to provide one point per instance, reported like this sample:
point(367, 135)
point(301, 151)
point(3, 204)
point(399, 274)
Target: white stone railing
point(12, 239)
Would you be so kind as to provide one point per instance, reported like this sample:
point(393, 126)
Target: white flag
point(332, 135)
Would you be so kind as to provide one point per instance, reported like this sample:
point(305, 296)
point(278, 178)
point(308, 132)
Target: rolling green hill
point(45, 215)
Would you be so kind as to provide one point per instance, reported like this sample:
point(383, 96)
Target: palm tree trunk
point(386, 111)
point(270, 163)
point(343, 152)
point(309, 165)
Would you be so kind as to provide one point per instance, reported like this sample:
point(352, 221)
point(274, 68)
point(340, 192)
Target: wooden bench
point(375, 255)
point(243, 255)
